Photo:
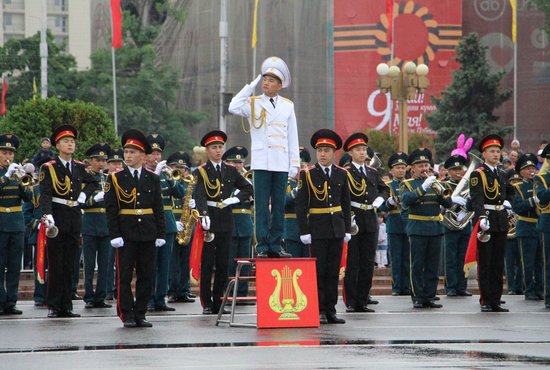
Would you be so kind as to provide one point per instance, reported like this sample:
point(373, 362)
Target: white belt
point(214, 204)
point(362, 206)
point(490, 207)
point(66, 202)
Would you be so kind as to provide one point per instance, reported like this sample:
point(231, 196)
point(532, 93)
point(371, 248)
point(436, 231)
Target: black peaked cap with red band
point(326, 137)
point(135, 139)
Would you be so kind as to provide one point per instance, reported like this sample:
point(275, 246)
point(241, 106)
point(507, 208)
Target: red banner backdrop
point(286, 291)
point(425, 31)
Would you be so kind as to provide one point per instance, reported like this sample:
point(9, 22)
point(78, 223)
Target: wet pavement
point(396, 336)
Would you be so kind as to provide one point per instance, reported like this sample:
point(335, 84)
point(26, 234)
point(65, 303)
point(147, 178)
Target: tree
point(468, 104)
point(32, 119)
point(541, 5)
point(146, 93)
point(21, 59)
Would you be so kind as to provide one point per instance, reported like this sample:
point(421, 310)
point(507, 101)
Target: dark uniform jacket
point(11, 195)
point(327, 225)
point(170, 190)
point(142, 225)
point(542, 191)
point(526, 209)
point(366, 220)
point(207, 190)
point(395, 223)
point(486, 188)
point(52, 184)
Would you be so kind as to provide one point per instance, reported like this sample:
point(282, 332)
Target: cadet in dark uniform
point(323, 210)
point(291, 235)
point(216, 182)
point(12, 225)
point(456, 241)
point(398, 240)
point(423, 227)
point(367, 193)
point(492, 197)
point(95, 233)
point(512, 256)
point(525, 206)
point(542, 197)
point(61, 195)
point(135, 216)
point(243, 229)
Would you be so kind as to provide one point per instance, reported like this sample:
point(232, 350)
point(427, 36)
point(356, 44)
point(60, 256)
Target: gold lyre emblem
point(287, 298)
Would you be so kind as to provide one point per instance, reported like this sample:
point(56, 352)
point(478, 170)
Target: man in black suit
point(492, 198)
point(135, 216)
point(367, 193)
point(61, 195)
point(323, 212)
point(216, 182)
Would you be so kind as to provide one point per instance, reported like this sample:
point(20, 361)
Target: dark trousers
point(545, 239)
point(61, 257)
point(39, 295)
point(240, 248)
point(269, 185)
point(296, 248)
point(360, 268)
point(425, 251)
point(179, 286)
point(161, 272)
point(11, 252)
point(514, 272)
point(111, 278)
point(328, 253)
point(531, 261)
point(140, 255)
point(490, 268)
point(95, 249)
point(76, 269)
point(400, 251)
point(215, 253)
point(456, 244)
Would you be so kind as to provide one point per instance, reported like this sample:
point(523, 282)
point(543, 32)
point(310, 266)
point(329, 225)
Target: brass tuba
point(375, 162)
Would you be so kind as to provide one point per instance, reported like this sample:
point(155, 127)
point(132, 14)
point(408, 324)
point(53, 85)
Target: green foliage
point(541, 5)
point(21, 58)
point(468, 104)
point(32, 119)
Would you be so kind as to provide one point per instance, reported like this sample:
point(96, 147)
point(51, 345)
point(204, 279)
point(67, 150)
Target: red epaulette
point(152, 171)
point(479, 169)
point(79, 162)
point(309, 168)
point(372, 168)
point(118, 170)
point(340, 167)
point(202, 165)
point(48, 163)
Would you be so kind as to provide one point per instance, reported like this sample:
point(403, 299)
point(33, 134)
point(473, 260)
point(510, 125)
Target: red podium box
point(286, 291)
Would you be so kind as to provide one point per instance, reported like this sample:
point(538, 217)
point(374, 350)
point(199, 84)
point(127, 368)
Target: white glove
point(179, 226)
point(117, 242)
point(507, 204)
point(347, 237)
point(49, 221)
point(81, 198)
point(459, 200)
point(378, 202)
point(205, 223)
point(293, 171)
point(192, 203)
point(159, 243)
point(536, 199)
point(99, 196)
point(428, 182)
point(484, 224)
point(11, 169)
point(391, 201)
point(159, 167)
point(255, 82)
point(229, 201)
point(306, 239)
point(461, 215)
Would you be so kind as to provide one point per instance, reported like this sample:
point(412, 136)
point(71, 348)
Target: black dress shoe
point(261, 255)
point(207, 311)
point(323, 318)
point(143, 323)
point(502, 301)
point(405, 292)
point(130, 323)
point(191, 295)
point(350, 309)
point(39, 304)
point(109, 297)
point(282, 254)
point(12, 311)
point(150, 308)
point(547, 306)
point(102, 304)
point(432, 305)
point(53, 313)
point(363, 309)
point(418, 305)
point(451, 293)
point(499, 309)
point(395, 294)
point(164, 308)
point(486, 308)
point(75, 297)
point(531, 298)
point(68, 313)
point(464, 294)
point(89, 305)
point(436, 298)
point(372, 301)
point(333, 319)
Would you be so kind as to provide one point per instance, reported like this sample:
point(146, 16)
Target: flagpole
point(44, 53)
point(115, 112)
point(392, 55)
point(515, 90)
point(223, 62)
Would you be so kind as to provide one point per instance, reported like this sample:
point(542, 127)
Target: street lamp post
point(403, 84)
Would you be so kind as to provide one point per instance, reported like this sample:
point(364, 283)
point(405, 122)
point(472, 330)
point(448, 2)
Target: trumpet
point(23, 174)
point(440, 189)
point(172, 173)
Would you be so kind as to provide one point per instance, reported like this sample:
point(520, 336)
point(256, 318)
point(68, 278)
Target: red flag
point(116, 17)
point(470, 260)
point(389, 16)
point(196, 253)
point(41, 252)
point(4, 92)
point(342, 274)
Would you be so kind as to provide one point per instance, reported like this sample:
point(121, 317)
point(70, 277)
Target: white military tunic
point(273, 130)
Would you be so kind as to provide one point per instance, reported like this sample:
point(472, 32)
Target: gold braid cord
point(208, 185)
point(60, 188)
point(321, 195)
point(488, 190)
point(253, 114)
point(356, 188)
point(122, 195)
point(535, 188)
